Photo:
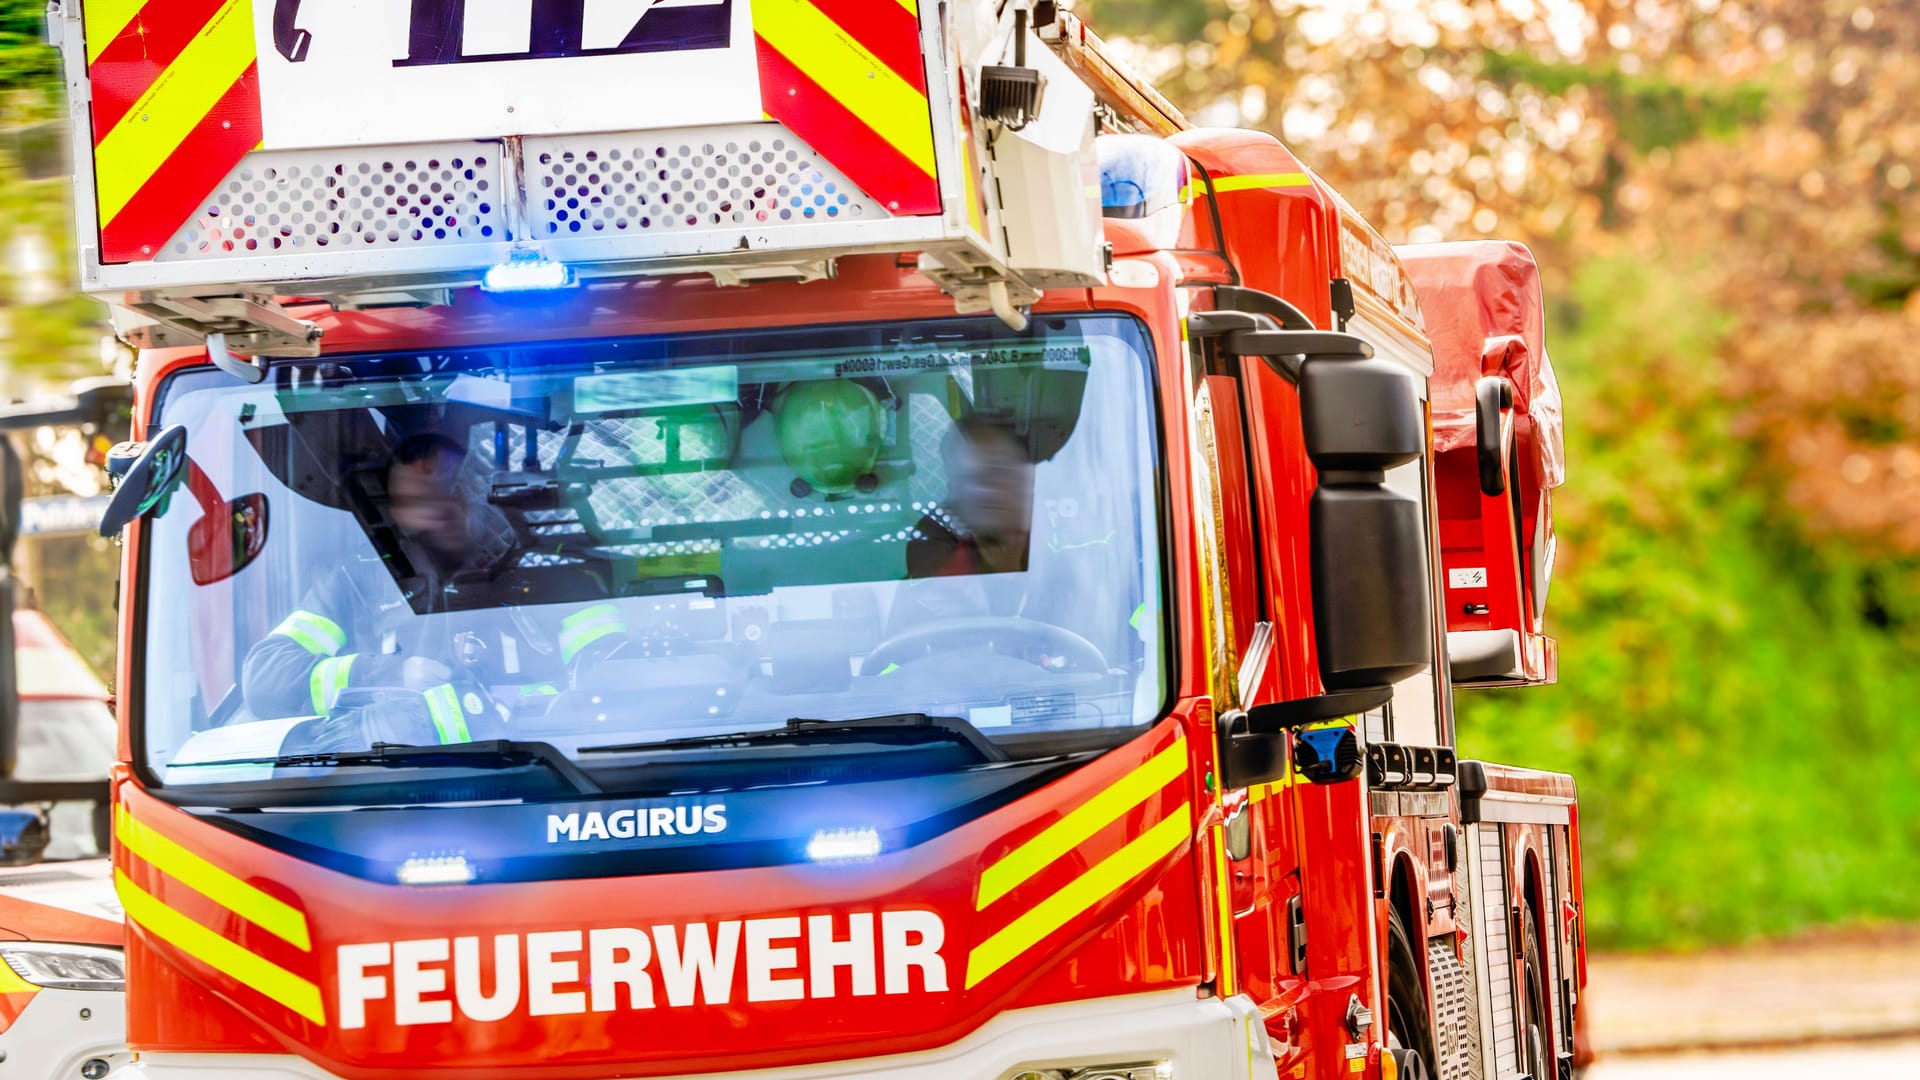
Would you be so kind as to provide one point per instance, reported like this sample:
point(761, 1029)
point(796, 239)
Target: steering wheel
point(1000, 634)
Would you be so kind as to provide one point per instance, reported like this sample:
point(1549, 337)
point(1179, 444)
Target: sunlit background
point(1722, 196)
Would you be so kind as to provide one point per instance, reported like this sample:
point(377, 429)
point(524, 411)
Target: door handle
point(288, 38)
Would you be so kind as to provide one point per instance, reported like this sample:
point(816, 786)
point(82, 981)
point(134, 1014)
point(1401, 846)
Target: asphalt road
point(1874, 1059)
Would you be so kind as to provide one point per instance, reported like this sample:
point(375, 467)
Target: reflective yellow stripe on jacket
point(329, 681)
point(443, 704)
point(583, 628)
point(317, 634)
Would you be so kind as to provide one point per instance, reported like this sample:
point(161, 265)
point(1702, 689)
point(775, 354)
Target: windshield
point(605, 546)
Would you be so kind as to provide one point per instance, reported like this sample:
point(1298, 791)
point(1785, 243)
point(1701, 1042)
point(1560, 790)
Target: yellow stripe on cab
point(1100, 881)
point(1015, 867)
point(273, 915)
point(217, 952)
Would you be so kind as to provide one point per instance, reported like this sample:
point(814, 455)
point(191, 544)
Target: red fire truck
point(800, 539)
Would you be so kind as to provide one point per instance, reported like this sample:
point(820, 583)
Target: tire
point(1532, 1014)
point(1409, 1022)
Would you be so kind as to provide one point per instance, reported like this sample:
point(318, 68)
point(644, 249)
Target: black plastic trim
point(1471, 782)
point(1395, 767)
point(1257, 302)
point(13, 792)
point(1286, 715)
point(1492, 397)
point(1340, 295)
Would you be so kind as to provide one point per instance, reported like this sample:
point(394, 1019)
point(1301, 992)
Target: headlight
point(66, 967)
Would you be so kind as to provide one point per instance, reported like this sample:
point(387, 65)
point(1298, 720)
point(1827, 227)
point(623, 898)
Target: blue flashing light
point(528, 273)
point(1140, 176)
point(443, 869)
point(839, 845)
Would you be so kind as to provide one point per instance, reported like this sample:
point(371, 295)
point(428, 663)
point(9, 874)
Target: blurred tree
point(26, 61)
point(49, 333)
point(1723, 195)
point(1765, 151)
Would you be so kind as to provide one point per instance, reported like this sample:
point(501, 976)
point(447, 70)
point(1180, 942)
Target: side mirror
point(147, 477)
point(1372, 605)
point(228, 537)
point(1372, 601)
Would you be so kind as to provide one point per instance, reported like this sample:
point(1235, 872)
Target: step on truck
point(800, 539)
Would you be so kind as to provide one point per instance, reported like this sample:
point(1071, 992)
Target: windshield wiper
point(900, 729)
point(492, 754)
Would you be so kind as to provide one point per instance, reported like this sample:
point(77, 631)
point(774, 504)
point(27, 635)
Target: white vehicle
point(63, 1006)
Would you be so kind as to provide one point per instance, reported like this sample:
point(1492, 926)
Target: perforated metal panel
point(1456, 1025)
point(312, 201)
point(756, 176)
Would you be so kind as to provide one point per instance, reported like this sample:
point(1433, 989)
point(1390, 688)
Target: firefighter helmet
point(830, 432)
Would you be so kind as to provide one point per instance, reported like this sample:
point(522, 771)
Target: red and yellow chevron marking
point(176, 105)
point(174, 896)
point(1066, 843)
point(847, 77)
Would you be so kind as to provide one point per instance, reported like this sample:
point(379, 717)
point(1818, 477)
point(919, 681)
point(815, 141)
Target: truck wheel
point(1409, 1032)
point(1533, 1011)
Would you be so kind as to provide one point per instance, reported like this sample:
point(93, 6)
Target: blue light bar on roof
point(1140, 176)
point(527, 273)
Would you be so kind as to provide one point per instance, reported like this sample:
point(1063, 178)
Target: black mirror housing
point(1372, 600)
point(148, 481)
point(1253, 744)
point(1360, 414)
point(1372, 618)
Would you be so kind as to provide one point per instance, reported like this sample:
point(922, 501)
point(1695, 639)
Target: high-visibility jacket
point(355, 629)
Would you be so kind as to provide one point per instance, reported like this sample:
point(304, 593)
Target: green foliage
point(1649, 110)
point(53, 338)
point(1734, 713)
point(1889, 285)
point(26, 61)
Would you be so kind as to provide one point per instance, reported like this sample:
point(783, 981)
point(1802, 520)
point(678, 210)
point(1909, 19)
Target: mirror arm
point(249, 370)
point(1255, 302)
point(1492, 397)
point(1212, 324)
point(1287, 352)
